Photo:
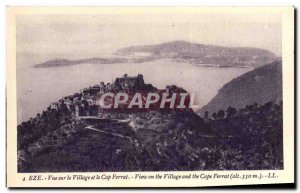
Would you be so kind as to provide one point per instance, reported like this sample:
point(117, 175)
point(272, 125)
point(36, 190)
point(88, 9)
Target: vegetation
point(250, 138)
point(48, 121)
point(261, 85)
point(230, 139)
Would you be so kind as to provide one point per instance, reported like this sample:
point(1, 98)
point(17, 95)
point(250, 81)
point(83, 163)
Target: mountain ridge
point(180, 51)
point(260, 85)
point(203, 54)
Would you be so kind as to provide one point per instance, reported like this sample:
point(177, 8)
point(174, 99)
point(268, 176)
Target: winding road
point(109, 133)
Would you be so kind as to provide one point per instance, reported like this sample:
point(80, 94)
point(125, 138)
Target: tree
point(206, 115)
point(231, 112)
point(214, 115)
point(221, 114)
point(255, 105)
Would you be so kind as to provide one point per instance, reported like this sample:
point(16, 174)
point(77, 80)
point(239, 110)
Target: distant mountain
point(113, 60)
point(181, 51)
point(202, 54)
point(260, 85)
point(65, 62)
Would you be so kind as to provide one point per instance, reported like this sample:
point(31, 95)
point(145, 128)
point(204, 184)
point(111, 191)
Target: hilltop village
point(87, 101)
point(76, 135)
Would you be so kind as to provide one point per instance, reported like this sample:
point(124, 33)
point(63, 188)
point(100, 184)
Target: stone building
point(130, 83)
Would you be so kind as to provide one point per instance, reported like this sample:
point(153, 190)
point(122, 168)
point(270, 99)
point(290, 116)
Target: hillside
point(202, 54)
point(260, 85)
point(63, 139)
point(154, 141)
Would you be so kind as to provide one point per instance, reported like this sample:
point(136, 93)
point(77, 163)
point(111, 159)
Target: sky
point(78, 36)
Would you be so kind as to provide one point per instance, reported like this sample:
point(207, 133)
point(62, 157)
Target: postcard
point(150, 96)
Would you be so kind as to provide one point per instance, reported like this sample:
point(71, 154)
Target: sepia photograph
point(134, 90)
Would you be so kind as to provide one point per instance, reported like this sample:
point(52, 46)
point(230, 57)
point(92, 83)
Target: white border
point(4, 3)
